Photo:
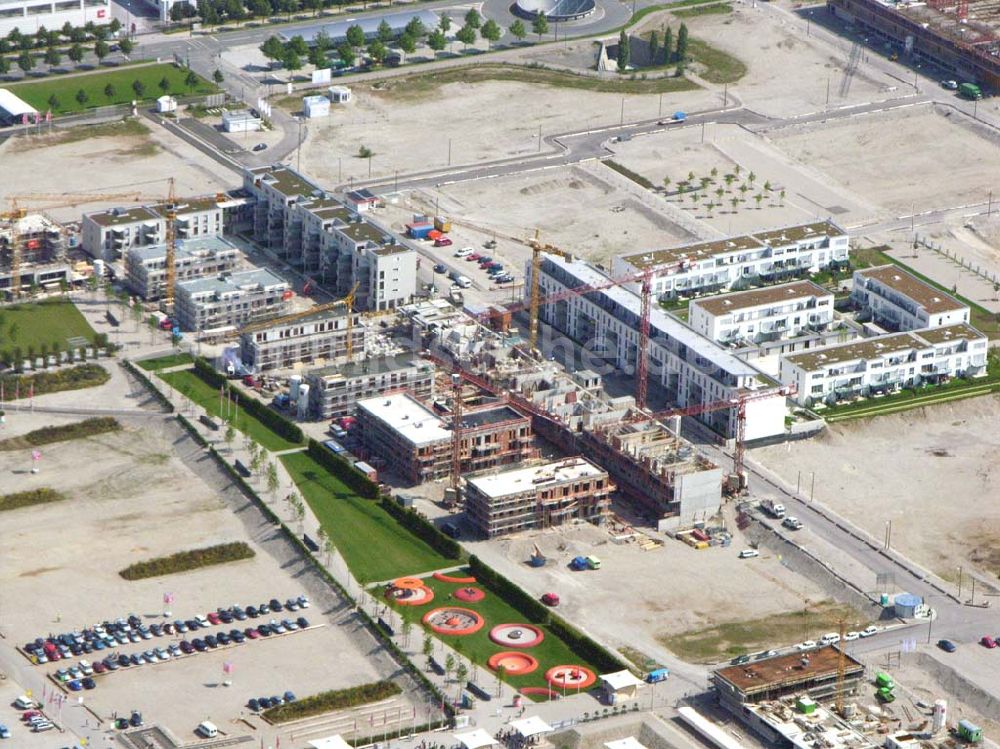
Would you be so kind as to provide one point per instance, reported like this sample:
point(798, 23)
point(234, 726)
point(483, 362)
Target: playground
point(491, 633)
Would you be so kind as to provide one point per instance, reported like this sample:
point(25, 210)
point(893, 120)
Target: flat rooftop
point(367, 367)
point(868, 348)
point(245, 280)
point(536, 477)
point(756, 241)
point(408, 417)
point(281, 321)
point(950, 333)
point(725, 303)
point(186, 248)
point(285, 180)
point(363, 232)
point(785, 671)
point(119, 216)
point(929, 297)
point(489, 416)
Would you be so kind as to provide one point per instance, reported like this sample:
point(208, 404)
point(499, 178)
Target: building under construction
point(43, 260)
point(962, 36)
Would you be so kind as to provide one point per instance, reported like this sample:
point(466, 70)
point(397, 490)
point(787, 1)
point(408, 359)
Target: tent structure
point(475, 739)
point(620, 684)
point(530, 726)
point(630, 742)
point(13, 108)
point(330, 742)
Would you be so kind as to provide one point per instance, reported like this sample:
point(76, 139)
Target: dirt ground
point(884, 157)
point(113, 164)
point(944, 461)
point(133, 498)
point(664, 590)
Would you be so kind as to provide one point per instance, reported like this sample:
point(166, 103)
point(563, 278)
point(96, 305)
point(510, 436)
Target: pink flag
point(24, 118)
point(168, 597)
point(48, 116)
point(38, 118)
point(36, 455)
point(227, 667)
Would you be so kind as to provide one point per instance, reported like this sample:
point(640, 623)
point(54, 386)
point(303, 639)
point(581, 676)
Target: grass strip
point(40, 496)
point(166, 362)
point(185, 561)
point(626, 172)
point(718, 66)
point(75, 431)
point(335, 699)
point(705, 10)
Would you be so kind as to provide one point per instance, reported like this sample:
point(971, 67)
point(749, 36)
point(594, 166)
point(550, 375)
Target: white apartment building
point(885, 363)
point(897, 300)
point(230, 300)
point(336, 390)
point(706, 267)
point(146, 266)
point(306, 338)
point(761, 315)
point(29, 15)
point(691, 368)
point(330, 241)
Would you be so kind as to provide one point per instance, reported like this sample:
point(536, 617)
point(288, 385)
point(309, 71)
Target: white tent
point(621, 683)
point(475, 739)
point(12, 107)
point(627, 743)
point(530, 726)
point(330, 742)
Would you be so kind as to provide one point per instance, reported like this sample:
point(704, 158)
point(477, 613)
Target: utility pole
point(539, 139)
point(959, 584)
point(622, 121)
point(659, 112)
point(828, 91)
point(812, 489)
point(989, 204)
point(725, 94)
point(449, 151)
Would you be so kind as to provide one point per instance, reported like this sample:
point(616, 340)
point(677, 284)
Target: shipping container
point(368, 470)
point(419, 231)
point(442, 224)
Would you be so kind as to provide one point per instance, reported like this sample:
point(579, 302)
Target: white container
point(940, 716)
point(294, 383)
point(303, 400)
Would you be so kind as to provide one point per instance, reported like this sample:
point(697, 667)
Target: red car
point(442, 242)
point(988, 642)
point(473, 257)
point(28, 714)
point(550, 599)
point(213, 617)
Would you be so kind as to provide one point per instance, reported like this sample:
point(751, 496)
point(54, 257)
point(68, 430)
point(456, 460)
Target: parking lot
point(133, 497)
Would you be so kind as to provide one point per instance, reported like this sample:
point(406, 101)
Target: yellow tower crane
point(537, 248)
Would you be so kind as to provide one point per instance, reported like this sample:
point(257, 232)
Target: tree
point(729, 179)
point(437, 40)
point(719, 192)
point(291, 61)
point(735, 202)
point(235, 10)
point(408, 43)
point(218, 77)
point(377, 51)
point(466, 35)
point(164, 84)
point(540, 25)
point(126, 45)
point(4, 65)
point(52, 57)
point(517, 30)
point(323, 42)
point(491, 32)
point(53, 102)
point(101, 49)
point(317, 57)
point(81, 97)
point(473, 19)
point(177, 12)
point(138, 88)
point(25, 61)
point(666, 182)
point(355, 36)
point(767, 185)
point(384, 32)
point(654, 46)
point(347, 54)
point(272, 478)
point(714, 172)
point(449, 664)
point(273, 49)
point(682, 43)
point(428, 647)
point(256, 462)
point(416, 28)
point(624, 51)
point(782, 196)
point(751, 178)
point(298, 45)
point(667, 51)
point(115, 26)
point(229, 436)
point(758, 197)
point(191, 80)
point(75, 53)
point(109, 91)
point(461, 673)
point(445, 23)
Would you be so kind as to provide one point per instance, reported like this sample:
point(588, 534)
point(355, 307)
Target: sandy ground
point(664, 590)
point(132, 498)
point(108, 165)
point(942, 496)
point(890, 158)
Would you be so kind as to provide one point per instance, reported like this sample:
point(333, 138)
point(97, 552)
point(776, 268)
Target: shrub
point(184, 561)
point(48, 435)
point(266, 416)
point(195, 434)
point(72, 378)
point(335, 699)
point(141, 376)
point(339, 467)
point(422, 528)
point(40, 496)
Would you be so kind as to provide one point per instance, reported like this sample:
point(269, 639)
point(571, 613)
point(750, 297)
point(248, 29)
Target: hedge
point(536, 613)
point(141, 376)
point(185, 561)
point(335, 699)
point(189, 428)
point(343, 470)
point(48, 435)
point(265, 415)
point(72, 378)
point(423, 529)
point(42, 495)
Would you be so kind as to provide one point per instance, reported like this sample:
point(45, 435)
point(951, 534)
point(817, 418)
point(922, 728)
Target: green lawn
point(190, 385)
point(165, 362)
point(478, 647)
point(705, 10)
point(48, 322)
point(37, 93)
point(716, 66)
point(374, 545)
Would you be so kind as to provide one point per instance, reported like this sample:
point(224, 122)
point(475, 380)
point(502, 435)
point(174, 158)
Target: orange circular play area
point(450, 579)
point(516, 635)
point(409, 596)
point(570, 677)
point(453, 620)
point(408, 583)
point(513, 663)
point(469, 595)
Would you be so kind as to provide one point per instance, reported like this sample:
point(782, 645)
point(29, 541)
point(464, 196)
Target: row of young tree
point(293, 53)
point(662, 51)
point(53, 56)
point(68, 34)
point(111, 92)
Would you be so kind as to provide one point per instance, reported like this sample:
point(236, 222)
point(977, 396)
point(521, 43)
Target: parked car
point(868, 631)
point(252, 633)
point(186, 647)
point(75, 685)
point(749, 554)
point(260, 147)
point(289, 697)
point(806, 645)
point(740, 660)
point(851, 636)
point(464, 252)
point(830, 638)
point(550, 599)
point(275, 605)
point(442, 242)
point(440, 268)
point(988, 642)
point(950, 85)
point(89, 683)
point(792, 523)
point(472, 258)
point(4, 732)
point(253, 704)
point(947, 646)
point(302, 622)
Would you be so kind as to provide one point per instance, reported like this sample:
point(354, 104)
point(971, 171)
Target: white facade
point(885, 363)
point(339, 94)
point(29, 15)
point(723, 264)
point(897, 300)
point(767, 314)
point(240, 121)
point(230, 300)
point(319, 338)
point(692, 369)
point(316, 106)
point(146, 267)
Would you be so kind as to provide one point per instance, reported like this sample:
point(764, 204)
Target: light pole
point(449, 151)
point(622, 121)
point(959, 583)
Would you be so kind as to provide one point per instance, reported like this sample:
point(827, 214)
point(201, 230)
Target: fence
point(940, 249)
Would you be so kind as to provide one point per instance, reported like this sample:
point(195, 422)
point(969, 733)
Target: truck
point(773, 508)
point(970, 91)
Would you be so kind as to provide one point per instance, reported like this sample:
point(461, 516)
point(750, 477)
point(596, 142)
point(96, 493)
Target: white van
point(830, 638)
point(24, 702)
point(463, 281)
point(207, 729)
